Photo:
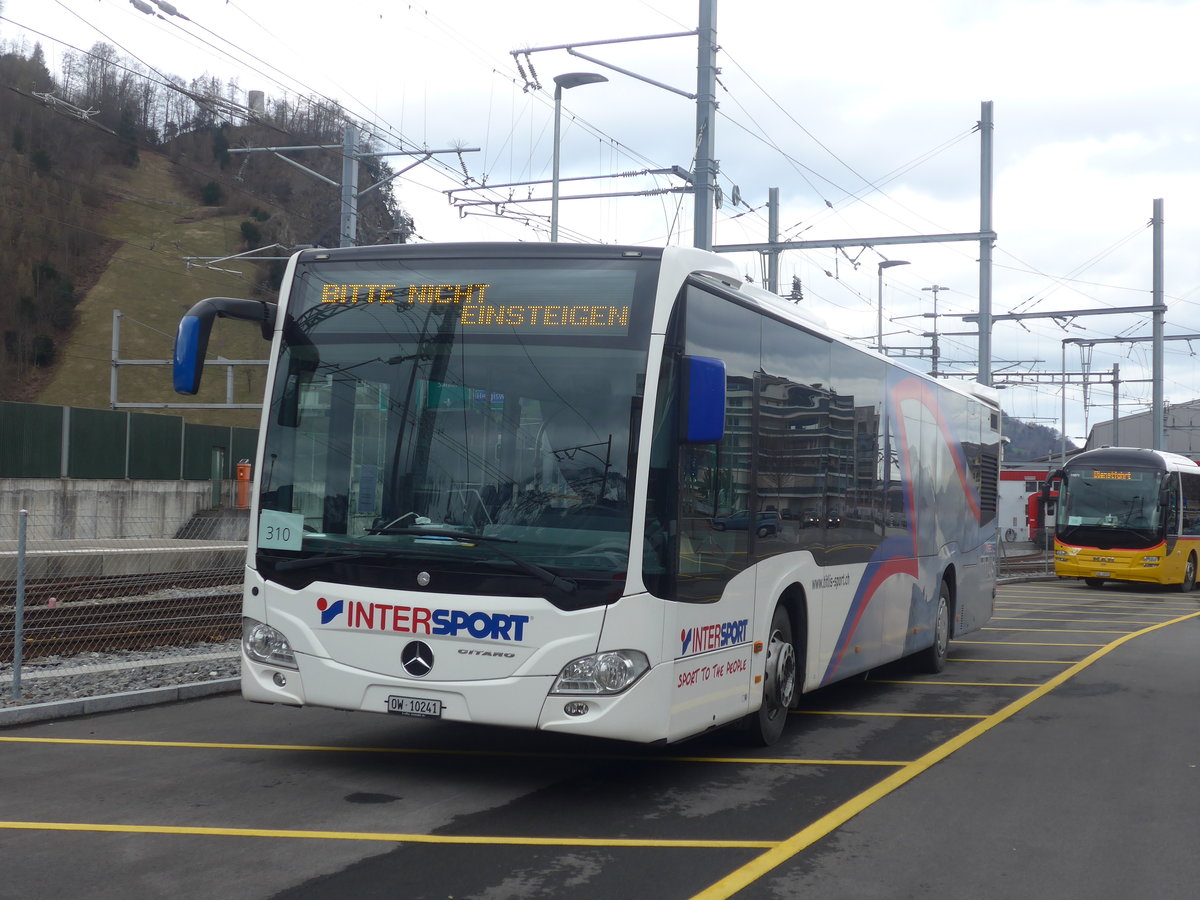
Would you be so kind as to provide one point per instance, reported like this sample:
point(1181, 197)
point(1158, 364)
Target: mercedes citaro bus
point(488, 478)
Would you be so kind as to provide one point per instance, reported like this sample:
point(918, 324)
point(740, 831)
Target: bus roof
point(1134, 456)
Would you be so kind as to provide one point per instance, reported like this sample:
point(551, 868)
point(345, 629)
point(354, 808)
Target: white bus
point(603, 490)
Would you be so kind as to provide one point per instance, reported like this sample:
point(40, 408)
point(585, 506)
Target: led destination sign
point(479, 307)
point(1100, 475)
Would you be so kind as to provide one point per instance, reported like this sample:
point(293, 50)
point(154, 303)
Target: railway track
point(100, 615)
point(109, 625)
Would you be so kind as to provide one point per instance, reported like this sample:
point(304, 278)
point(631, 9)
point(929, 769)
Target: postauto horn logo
point(391, 617)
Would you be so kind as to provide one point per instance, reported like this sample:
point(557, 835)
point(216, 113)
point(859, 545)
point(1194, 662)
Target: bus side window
point(1191, 502)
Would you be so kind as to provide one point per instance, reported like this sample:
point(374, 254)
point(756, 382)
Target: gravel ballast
point(55, 679)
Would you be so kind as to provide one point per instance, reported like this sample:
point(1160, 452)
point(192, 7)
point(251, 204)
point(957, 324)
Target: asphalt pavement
point(1093, 791)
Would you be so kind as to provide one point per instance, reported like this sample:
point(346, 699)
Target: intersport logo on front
point(398, 619)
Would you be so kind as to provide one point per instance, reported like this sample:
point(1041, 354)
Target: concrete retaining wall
point(77, 508)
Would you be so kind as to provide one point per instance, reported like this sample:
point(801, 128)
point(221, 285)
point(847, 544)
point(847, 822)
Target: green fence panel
point(97, 440)
point(245, 445)
point(155, 446)
point(30, 440)
point(198, 444)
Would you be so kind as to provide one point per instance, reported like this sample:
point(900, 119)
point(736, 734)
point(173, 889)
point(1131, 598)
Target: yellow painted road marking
point(785, 850)
point(474, 840)
point(413, 751)
point(1076, 621)
point(1058, 630)
point(891, 715)
point(1036, 662)
point(1027, 684)
point(1027, 644)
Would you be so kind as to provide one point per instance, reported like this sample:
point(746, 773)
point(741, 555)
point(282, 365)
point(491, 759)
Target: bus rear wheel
point(765, 727)
point(1189, 575)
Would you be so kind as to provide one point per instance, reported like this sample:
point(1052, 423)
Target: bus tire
point(933, 658)
point(1189, 575)
point(1094, 582)
point(765, 726)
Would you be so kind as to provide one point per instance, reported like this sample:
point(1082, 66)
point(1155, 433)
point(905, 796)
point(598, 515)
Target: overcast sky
point(863, 114)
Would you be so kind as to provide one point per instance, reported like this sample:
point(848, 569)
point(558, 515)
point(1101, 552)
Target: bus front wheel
point(1189, 575)
point(933, 659)
point(779, 683)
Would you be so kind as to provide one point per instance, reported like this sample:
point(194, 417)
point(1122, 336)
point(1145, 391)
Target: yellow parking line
point(1027, 644)
point(1142, 600)
point(785, 850)
point(413, 751)
point(1038, 662)
point(1031, 684)
point(1077, 621)
point(1114, 615)
point(1059, 630)
point(890, 715)
point(394, 838)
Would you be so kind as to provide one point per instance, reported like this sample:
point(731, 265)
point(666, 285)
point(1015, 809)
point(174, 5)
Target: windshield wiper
point(566, 585)
point(309, 561)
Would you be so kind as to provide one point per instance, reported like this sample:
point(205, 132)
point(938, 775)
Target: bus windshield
point(479, 419)
point(1108, 508)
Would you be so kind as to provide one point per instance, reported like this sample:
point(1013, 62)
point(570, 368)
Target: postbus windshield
point(1109, 507)
point(472, 415)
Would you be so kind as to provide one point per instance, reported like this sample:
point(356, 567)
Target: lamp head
point(568, 80)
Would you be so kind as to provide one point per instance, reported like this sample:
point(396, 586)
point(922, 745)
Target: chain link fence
point(1023, 559)
point(81, 601)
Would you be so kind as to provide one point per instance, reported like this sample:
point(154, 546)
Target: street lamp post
point(561, 83)
point(886, 264)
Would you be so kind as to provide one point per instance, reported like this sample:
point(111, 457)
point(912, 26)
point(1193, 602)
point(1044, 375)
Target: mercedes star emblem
point(417, 659)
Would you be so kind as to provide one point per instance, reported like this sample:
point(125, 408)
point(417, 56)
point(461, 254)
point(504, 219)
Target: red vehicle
point(1039, 516)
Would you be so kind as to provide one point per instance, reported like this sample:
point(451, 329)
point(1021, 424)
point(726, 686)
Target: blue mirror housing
point(703, 406)
point(191, 340)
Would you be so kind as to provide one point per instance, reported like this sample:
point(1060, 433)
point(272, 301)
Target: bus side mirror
point(703, 406)
point(191, 341)
point(1048, 485)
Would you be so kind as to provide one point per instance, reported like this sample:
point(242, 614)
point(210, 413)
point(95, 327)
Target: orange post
point(243, 484)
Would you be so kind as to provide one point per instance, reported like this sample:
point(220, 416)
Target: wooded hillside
point(74, 189)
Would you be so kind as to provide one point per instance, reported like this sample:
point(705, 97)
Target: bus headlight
point(265, 644)
point(601, 673)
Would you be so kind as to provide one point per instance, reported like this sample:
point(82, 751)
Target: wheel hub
point(782, 671)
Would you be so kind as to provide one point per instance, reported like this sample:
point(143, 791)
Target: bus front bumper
point(514, 702)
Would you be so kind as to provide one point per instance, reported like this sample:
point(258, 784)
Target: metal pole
point(554, 172)
point(349, 216)
point(1063, 455)
point(116, 356)
point(879, 315)
point(19, 615)
point(563, 82)
point(704, 176)
point(1159, 314)
point(886, 264)
point(934, 353)
point(986, 130)
point(1116, 439)
point(773, 237)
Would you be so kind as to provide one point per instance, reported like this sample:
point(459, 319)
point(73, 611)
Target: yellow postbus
point(1128, 514)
